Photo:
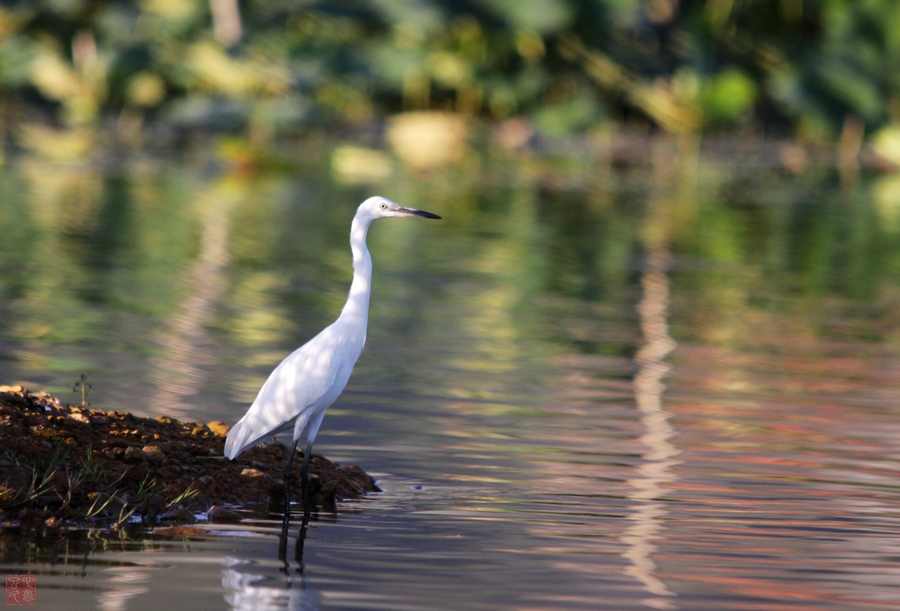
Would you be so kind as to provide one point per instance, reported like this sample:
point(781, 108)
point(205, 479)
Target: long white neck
point(356, 310)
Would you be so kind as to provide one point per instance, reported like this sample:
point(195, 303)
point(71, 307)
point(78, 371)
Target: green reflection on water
point(160, 277)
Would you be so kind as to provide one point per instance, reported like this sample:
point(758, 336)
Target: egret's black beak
point(422, 213)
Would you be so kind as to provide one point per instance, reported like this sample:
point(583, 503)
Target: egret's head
point(380, 207)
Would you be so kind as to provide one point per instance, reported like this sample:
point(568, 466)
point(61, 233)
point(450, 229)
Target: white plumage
point(309, 380)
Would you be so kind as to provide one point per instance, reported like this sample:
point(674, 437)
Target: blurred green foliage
point(165, 275)
point(789, 67)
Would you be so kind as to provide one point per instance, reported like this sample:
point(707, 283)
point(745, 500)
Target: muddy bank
point(63, 464)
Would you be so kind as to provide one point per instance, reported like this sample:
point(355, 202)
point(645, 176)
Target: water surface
point(671, 387)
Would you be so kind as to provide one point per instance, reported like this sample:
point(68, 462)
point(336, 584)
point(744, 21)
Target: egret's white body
point(300, 389)
point(311, 378)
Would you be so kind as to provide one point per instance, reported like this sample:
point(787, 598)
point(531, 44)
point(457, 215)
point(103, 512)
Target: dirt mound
point(63, 464)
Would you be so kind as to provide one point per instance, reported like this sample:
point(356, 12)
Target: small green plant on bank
point(39, 486)
point(146, 487)
point(185, 496)
point(104, 500)
point(149, 488)
point(11, 457)
point(125, 514)
point(85, 389)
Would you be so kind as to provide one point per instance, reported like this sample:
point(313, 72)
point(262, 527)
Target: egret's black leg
point(301, 540)
point(304, 482)
point(288, 476)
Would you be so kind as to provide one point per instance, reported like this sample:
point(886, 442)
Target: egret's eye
point(383, 206)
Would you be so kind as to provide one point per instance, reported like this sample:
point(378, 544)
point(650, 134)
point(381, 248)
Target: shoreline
point(65, 465)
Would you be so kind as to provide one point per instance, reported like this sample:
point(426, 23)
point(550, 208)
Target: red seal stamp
point(21, 590)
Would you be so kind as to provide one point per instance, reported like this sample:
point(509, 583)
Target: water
point(674, 387)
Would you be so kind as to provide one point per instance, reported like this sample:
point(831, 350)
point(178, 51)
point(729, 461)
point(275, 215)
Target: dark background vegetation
point(809, 70)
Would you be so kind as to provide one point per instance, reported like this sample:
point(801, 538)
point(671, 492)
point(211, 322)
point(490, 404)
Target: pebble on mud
point(223, 515)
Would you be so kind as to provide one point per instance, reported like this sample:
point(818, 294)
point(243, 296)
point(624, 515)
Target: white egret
point(310, 379)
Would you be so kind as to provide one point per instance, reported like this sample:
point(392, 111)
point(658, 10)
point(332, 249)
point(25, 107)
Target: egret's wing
point(309, 379)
